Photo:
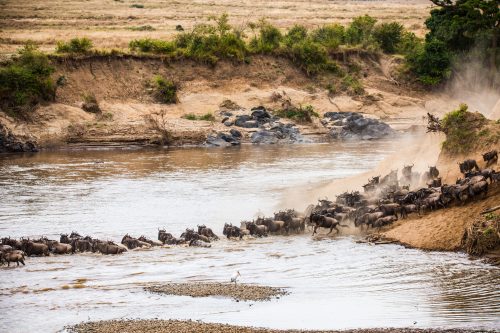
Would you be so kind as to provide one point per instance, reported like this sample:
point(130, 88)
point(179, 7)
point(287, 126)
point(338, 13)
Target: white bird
point(235, 276)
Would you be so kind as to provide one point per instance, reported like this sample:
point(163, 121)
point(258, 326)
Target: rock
point(235, 133)
point(250, 124)
point(352, 125)
point(223, 139)
point(228, 123)
point(240, 120)
point(260, 113)
point(12, 144)
point(264, 137)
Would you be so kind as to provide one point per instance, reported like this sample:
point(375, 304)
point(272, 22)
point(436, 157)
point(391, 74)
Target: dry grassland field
point(113, 23)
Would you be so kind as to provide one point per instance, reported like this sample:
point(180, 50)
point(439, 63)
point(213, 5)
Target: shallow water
point(334, 282)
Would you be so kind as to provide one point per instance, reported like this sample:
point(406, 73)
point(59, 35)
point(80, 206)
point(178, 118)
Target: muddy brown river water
point(334, 283)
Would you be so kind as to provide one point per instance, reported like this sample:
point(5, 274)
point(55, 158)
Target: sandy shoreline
point(177, 326)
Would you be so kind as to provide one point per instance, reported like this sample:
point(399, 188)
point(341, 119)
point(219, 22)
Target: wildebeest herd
point(384, 201)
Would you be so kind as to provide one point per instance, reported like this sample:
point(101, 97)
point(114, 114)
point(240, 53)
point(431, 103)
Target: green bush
point(352, 85)
point(143, 28)
point(462, 129)
point(165, 91)
point(75, 45)
point(431, 62)
point(388, 35)
point(297, 34)
point(136, 5)
point(409, 43)
point(360, 30)
point(310, 56)
point(330, 36)
point(148, 45)
point(25, 81)
point(300, 114)
point(269, 38)
point(206, 117)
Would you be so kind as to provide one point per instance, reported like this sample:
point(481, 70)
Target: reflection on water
point(334, 283)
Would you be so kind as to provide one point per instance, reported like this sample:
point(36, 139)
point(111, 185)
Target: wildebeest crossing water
point(137, 192)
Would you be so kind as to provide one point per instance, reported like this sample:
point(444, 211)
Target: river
point(334, 283)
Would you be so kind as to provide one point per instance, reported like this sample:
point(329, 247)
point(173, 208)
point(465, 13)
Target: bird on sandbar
point(235, 276)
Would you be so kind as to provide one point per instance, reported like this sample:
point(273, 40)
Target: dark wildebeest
point(190, 234)
point(272, 225)
point(106, 247)
point(386, 220)
point(407, 209)
point(468, 165)
point(292, 221)
point(31, 248)
point(16, 256)
point(390, 209)
point(232, 231)
point(321, 221)
point(478, 188)
point(14, 243)
point(490, 157)
point(198, 243)
point(151, 242)
point(81, 245)
point(59, 248)
point(133, 243)
point(436, 182)
point(207, 232)
point(167, 238)
point(256, 230)
point(367, 219)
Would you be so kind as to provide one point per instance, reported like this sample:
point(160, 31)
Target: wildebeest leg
point(314, 230)
point(331, 229)
point(22, 262)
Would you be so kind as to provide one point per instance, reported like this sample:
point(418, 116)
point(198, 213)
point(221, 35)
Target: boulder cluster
point(352, 125)
point(269, 129)
point(9, 143)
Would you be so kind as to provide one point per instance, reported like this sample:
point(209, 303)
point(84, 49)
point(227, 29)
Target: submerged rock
point(352, 125)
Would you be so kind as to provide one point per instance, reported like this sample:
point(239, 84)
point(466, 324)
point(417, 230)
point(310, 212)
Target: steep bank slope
point(120, 85)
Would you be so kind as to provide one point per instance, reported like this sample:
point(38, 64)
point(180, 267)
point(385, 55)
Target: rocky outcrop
point(352, 125)
point(222, 139)
point(9, 143)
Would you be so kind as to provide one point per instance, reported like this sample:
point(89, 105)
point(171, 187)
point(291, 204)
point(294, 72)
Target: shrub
point(330, 36)
point(165, 91)
point(388, 35)
point(352, 85)
point(360, 30)
point(136, 5)
point(409, 43)
point(206, 117)
point(461, 129)
point(269, 38)
point(90, 103)
point(300, 113)
point(75, 45)
point(431, 63)
point(297, 34)
point(310, 56)
point(25, 81)
point(148, 45)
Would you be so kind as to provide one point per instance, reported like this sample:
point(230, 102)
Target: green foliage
point(148, 45)
point(431, 63)
point(300, 113)
point(206, 117)
point(310, 56)
point(352, 85)
point(409, 43)
point(461, 129)
point(297, 34)
point(269, 38)
point(360, 30)
point(388, 35)
point(165, 91)
point(75, 45)
point(25, 81)
point(136, 5)
point(330, 36)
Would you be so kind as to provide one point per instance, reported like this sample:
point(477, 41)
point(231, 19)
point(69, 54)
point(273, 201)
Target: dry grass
point(109, 23)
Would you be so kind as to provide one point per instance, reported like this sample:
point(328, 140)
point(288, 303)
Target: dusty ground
point(176, 326)
point(110, 23)
point(239, 292)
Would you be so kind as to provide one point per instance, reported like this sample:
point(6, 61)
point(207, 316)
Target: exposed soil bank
point(176, 326)
point(239, 292)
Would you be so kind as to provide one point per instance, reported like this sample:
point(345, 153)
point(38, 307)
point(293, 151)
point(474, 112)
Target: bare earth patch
point(239, 292)
point(174, 326)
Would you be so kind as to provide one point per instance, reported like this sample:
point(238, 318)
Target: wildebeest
point(478, 188)
point(382, 221)
point(367, 219)
point(59, 248)
point(31, 248)
point(468, 165)
point(272, 225)
point(207, 232)
point(151, 242)
point(16, 256)
point(436, 182)
point(133, 243)
point(291, 219)
point(14, 243)
point(256, 230)
point(167, 238)
point(198, 243)
point(490, 157)
point(81, 245)
point(107, 247)
point(321, 221)
point(190, 234)
point(232, 231)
